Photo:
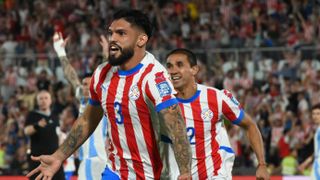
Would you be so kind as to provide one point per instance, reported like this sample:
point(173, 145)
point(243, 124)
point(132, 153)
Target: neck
point(134, 61)
point(45, 111)
point(187, 92)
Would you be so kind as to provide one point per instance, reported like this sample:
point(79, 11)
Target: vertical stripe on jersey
point(228, 112)
point(129, 130)
point(199, 138)
point(111, 155)
point(182, 112)
point(149, 94)
point(101, 79)
point(92, 148)
point(112, 90)
point(88, 169)
point(213, 105)
point(148, 131)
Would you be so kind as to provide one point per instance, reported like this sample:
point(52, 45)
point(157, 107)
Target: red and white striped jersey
point(203, 114)
point(130, 100)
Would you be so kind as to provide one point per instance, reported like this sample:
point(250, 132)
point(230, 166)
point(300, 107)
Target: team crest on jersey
point(206, 114)
point(162, 84)
point(134, 92)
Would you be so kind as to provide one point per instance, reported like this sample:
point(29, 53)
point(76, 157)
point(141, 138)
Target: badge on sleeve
point(162, 84)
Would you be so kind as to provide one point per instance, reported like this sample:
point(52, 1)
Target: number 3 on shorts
point(119, 116)
point(191, 133)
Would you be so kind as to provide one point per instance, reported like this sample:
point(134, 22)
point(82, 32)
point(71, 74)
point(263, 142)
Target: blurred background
point(265, 52)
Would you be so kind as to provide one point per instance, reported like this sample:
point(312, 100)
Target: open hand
point(59, 44)
point(49, 165)
point(105, 46)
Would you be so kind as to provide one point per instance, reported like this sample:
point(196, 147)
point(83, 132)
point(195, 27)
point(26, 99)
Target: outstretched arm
point(81, 130)
point(59, 45)
point(256, 142)
point(176, 129)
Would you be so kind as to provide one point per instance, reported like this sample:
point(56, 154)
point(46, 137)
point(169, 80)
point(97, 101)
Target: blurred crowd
point(277, 85)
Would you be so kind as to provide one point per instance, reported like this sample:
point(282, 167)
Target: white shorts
point(225, 171)
point(315, 172)
point(170, 169)
point(91, 168)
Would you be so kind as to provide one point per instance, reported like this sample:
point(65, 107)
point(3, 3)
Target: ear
point(195, 69)
point(142, 40)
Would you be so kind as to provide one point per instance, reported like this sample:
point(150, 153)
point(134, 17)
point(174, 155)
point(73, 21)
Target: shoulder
point(33, 113)
point(101, 69)
point(101, 72)
point(203, 87)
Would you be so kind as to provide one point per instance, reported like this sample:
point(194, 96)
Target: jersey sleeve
point(231, 108)
point(160, 91)
point(94, 98)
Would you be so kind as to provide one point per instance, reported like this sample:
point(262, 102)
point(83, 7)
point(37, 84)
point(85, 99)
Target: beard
point(125, 55)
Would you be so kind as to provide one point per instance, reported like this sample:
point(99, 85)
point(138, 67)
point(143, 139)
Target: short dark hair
point(135, 18)
point(316, 106)
point(86, 75)
point(192, 58)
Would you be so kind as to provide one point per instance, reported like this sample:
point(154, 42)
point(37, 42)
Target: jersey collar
point(189, 100)
point(130, 71)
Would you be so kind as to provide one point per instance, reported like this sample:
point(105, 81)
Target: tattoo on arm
point(70, 72)
point(73, 140)
point(176, 128)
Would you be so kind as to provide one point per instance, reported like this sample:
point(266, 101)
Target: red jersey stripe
point(213, 106)
point(114, 128)
point(182, 112)
point(147, 128)
point(228, 112)
point(149, 94)
point(129, 130)
point(199, 138)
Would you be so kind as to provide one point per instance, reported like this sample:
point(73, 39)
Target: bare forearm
point(81, 130)
point(79, 133)
point(181, 147)
point(256, 142)
point(69, 72)
point(176, 130)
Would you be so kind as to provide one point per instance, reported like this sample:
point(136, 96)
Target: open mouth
point(175, 78)
point(113, 49)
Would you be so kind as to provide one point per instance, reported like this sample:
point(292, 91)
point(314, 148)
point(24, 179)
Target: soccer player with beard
point(134, 92)
point(92, 153)
point(203, 109)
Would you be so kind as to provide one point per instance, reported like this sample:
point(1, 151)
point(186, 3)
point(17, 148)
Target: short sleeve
point(231, 108)
point(94, 98)
point(160, 90)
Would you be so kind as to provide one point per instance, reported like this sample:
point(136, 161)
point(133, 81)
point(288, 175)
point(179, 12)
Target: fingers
point(35, 158)
point(103, 40)
point(39, 176)
point(65, 41)
point(36, 170)
point(46, 178)
point(56, 37)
